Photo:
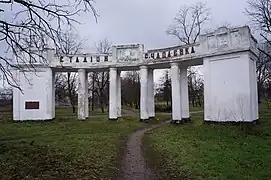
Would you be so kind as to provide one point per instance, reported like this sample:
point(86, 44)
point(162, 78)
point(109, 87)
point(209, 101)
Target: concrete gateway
point(228, 57)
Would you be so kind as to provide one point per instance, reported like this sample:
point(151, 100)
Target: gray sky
point(145, 21)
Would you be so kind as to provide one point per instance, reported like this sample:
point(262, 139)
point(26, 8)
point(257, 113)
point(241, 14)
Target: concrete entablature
point(125, 56)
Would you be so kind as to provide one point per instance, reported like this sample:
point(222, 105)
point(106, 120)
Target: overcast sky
point(145, 21)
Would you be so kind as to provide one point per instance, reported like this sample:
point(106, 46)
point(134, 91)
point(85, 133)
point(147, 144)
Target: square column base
point(254, 122)
point(82, 119)
point(186, 119)
point(113, 119)
point(144, 120)
point(177, 122)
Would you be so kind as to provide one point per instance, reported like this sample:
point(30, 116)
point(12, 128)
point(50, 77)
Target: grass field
point(62, 149)
point(65, 148)
point(63, 112)
point(201, 151)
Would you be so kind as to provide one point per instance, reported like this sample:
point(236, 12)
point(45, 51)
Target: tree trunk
point(193, 101)
point(70, 92)
point(102, 107)
point(199, 101)
point(101, 102)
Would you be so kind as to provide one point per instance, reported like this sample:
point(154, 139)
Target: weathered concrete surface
point(144, 93)
point(230, 84)
point(81, 94)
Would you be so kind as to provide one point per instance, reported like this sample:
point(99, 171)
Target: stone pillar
point(151, 102)
point(81, 94)
point(119, 93)
point(36, 101)
point(16, 95)
point(113, 105)
point(144, 93)
point(86, 99)
point(176, 94)
point(53, 96)
point(184, 94)
point(230, 88)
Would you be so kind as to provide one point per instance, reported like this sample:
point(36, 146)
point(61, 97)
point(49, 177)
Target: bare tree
point(260, 14)
point(188, 22)
point(268, 93)
point(263, 69)
point(187, 26)
point(60, 88)
point(70, 44)
point(131, 89)
point(104, 46)
point(100, 80)
point(165, 89)
point(26, 25)
point(195, 87)
point(72, 89)
point(66, 89)
point(5, 94)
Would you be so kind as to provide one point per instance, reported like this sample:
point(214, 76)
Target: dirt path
point(133, 163)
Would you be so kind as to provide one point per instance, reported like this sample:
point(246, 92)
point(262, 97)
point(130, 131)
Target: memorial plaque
point(32, 105)
point(128, 53)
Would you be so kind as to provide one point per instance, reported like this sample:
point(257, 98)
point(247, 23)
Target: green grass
point(66, 112)
point(201, 151)
point(191, 108)
point(61, 113)
point(63, 149)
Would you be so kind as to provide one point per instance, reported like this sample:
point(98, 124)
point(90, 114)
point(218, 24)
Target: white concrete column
point(119, 93)
point(144, 93)
point(16, 94)
point(81, 94)
point(48, 91)
point(53, 96)
point(151, 103)
point(86, 99)
point(176, 94)
point(113, 105)
point(184, 94)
